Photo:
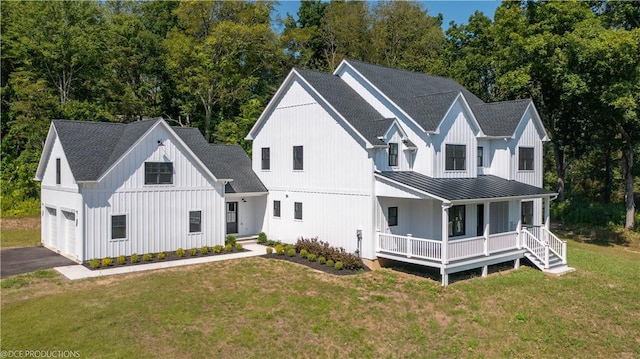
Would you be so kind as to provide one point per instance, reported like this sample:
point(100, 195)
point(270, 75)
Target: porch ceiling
point(465, 189)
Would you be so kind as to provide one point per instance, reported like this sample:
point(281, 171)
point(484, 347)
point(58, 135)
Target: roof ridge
point(502, 102)
point(405, 70)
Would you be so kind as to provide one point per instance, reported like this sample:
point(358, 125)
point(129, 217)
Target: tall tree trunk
point(558, 154)
point(608, 180)
point(627, 174)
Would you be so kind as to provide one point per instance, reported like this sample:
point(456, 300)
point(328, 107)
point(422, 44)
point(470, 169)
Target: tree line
point(215, 65)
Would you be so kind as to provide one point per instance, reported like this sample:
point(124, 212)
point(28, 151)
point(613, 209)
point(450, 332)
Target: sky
point(451, 10)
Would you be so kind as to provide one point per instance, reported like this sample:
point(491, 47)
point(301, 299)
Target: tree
point(345, 32)
point(302, 39)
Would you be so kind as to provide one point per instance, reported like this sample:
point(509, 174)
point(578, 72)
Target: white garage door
point(52, 227)
point(69, 232)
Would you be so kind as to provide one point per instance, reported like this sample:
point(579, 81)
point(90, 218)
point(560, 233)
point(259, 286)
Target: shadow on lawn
point(594, 235)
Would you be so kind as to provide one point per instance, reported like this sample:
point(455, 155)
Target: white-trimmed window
point(455, 157)
point(58, 171)
point(266, 158)
point(527, 212)
point(195, 221)
point(392, 216)
point(158, 173)
point(297, 212)
point(298, 158)
point(525, 158)
point(393, 154)
point(276, 209)
point(480, 156)
point(456, 221)
point(119, 226)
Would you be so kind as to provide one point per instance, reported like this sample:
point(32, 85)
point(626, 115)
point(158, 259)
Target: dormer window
point(393, 154)
point(158, 173)
point(455, 157)
point(525, 159)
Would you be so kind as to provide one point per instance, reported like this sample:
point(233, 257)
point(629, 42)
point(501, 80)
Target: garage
point(69, 233)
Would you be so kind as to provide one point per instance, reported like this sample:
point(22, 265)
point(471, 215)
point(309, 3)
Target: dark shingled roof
point(456, 189)
point(500, 118)
point(92, 147)
point(362, 116)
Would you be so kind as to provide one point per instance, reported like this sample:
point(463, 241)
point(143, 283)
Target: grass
point(257, 307)
point(20, 232)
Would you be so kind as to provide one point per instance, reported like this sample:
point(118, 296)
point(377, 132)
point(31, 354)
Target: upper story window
point(266, 158)
point(158, 173)
point(393, 154)
point(298, 158)
point(455, 157)
point(480, 156)
point(456, 221)
point(58, 176)
point(525, 158)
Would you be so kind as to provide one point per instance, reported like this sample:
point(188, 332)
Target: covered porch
point(462, 224)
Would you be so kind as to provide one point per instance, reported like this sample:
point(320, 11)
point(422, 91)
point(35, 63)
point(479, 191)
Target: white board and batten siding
point(335, 186)
point(60, 206)
point(157, 215)
point(455, 129)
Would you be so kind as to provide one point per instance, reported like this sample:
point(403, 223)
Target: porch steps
point(555, 264)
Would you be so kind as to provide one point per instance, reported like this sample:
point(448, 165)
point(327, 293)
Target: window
point(525, 159)
point(158, 173)
point(58, 171)
point(266, 158)
point(195, 221)
point(276, 209)
point(455, 157)
point(392, 216)
point(297, 210)
point(297, 158)
point(393, 154)
point(119, 227)
point(456, 221)
point(480, 156)
point(527, 212)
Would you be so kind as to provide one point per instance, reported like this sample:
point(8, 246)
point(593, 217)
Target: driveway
point(23, 260)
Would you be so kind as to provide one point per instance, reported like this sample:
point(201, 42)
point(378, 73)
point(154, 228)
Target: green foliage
point(238, 246)
point(280, 249)
point(304, 253)
point(330, 263)
point(322, 260)
point(228, 248)
point(134, 258)
point(576, 211)
point(204, 250)
point(106, 262)
point(231, 240)
point(269, 250)
point(320, 248)
point(193, 252)
point(94, 263)
point(147, 257)
point(339, 265)
point(262, 238)
point(17, 282)
point(121, 260)
point(311, 257)
point(291, 252)
point(217, 249)
point(180, 252)
point(161, 255)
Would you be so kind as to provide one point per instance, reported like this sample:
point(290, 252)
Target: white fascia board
point(397, 124)
point(46, 151)
point(160, 122)
point(245, 194)
point(502, 199)
point(467, 108)
point(537, 119)
point(273, 102)
point(345, 63)
point(430, 195)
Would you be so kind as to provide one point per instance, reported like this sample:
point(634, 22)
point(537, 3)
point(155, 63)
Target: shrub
point(161, 255)
point(330, 263)
point(134, 258)
point(238, 246)
point(304, 253)
point(204, 250)
point(311, 257)
point(262, 238)
point(121, 260)
point(291, 252)
point(231, 239)
point(180, 252)
point(288, 247)
point(107, 262)
point(228, 247)
point(193, 252)
point(323, 249)
point(217, 249)
point(147, 257)
point(279, 249)
point(339, 265)
point(269, 250)
point(322, 260)
point(94, 263)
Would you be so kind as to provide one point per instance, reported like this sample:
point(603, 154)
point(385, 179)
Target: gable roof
point(91, 148)
point(500, 118)
point(461, 189)
point(349, 104)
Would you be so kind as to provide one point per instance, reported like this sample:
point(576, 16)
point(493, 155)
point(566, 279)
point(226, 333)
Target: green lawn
point(19, 238)
point(258, 308)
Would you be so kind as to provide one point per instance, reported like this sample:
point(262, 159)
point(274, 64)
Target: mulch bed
point(171, 256)
point(314, 265)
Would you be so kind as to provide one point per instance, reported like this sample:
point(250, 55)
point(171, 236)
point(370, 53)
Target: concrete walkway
point(79, 272)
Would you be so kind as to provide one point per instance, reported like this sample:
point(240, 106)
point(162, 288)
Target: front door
point(232, 217)
point(480, 221)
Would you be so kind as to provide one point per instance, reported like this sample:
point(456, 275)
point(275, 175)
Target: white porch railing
point(410, 246)
point(502, 241)
point(466, 248)
point(536, 246)
point(557, 246)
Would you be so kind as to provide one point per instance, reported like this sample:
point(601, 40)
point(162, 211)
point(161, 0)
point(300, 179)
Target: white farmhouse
point(116, 189)
point(405, 166)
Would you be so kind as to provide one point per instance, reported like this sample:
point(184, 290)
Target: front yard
point(259, 307)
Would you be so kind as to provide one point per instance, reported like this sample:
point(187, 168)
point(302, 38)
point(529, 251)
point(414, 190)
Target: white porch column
point(487, 219)
point(445, 232)
point(519, 225)
point(547, 222)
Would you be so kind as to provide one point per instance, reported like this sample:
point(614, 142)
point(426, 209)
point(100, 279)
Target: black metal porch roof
point(460, 189)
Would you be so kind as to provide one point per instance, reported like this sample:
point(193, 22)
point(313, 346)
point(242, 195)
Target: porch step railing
point(535, 246)
point(555, 245)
